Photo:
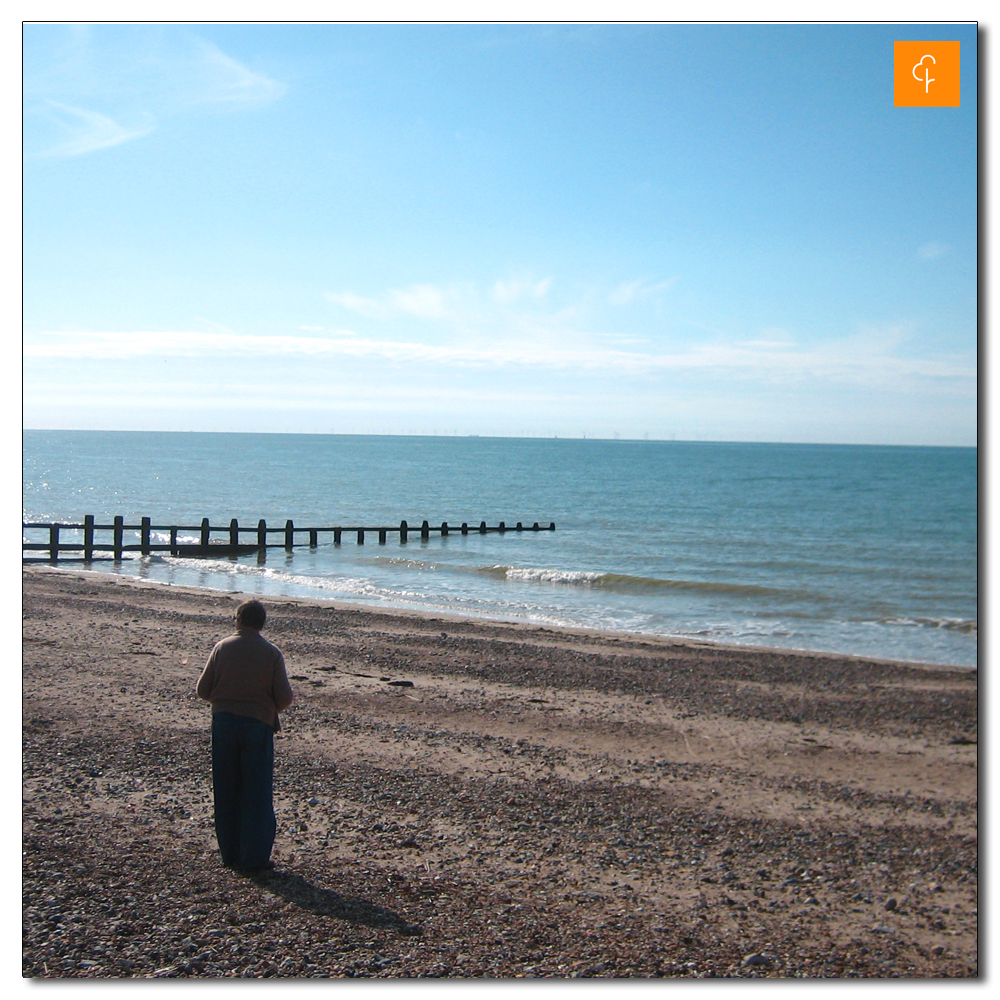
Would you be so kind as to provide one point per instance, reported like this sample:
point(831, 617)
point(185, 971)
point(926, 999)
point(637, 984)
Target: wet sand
point(475, 799)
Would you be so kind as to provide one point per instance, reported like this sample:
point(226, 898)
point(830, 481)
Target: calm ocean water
point(846, 549)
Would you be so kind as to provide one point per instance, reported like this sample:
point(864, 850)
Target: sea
point(850, 549)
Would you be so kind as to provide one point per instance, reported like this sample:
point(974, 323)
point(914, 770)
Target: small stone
point(314, 801)
point(937, 951)
point(757, 958)
point(881, 928)
point(890, 903)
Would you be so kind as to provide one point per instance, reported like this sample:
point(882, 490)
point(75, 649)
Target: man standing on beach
point(246, 683)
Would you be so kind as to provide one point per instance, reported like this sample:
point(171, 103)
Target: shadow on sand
point(328, 903)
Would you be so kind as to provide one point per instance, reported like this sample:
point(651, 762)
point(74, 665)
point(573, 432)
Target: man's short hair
point(251, 614)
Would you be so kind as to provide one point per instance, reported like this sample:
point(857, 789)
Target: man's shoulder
point(247, 640)
point(259, 640)
point(270, 645)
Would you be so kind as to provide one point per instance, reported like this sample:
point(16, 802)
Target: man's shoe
point(267, 866)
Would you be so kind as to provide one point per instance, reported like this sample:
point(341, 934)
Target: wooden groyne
point(229, 544)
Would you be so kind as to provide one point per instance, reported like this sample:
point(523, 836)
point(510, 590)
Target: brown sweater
point(245, 675)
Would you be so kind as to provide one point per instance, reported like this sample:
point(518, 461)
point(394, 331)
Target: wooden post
point(425, 531)
point(482, 527)
point(520, 527)
point(289, 535)
point(173, 540)
point(53, 542)
point(381, 536)
point(361, 536)
point(119, 533)
point(552, 526)
point(336, 536)
point(144, 537)
point(262, 533)
point(465, 527)
point(535, 527)
point(313, 538)
point(444, 528)
point(402, 531)
point(204, 536)
point(88, 537)
point(234, 532)
point(503, 527)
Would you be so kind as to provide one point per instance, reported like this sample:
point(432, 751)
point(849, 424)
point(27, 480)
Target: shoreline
point(669, 640)
point(470, 798)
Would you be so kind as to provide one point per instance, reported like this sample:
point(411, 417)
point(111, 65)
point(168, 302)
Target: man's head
point(251, 614)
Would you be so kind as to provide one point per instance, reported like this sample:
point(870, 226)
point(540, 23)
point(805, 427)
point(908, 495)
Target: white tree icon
point(926, 79)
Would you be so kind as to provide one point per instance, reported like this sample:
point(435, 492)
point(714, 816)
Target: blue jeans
point(243, 781)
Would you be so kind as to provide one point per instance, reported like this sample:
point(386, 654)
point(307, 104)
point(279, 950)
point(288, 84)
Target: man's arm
point(281, 690)
point(207, 680)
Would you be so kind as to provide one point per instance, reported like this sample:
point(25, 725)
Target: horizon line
point(503, 437)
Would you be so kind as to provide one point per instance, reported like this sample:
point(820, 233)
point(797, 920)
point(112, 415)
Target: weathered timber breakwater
point(207, 545)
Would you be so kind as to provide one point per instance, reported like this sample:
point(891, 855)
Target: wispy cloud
point(641, 288)
point(771, 340)
point(359, 304)
point(87, 131)
point(275, 395)
point(867, 358)
point(930, 251)
point(220, 79)
point(457, 303)
point(516, 288)
point(767, 345)
point(81, 94)
point(468, 329)
point(426, 301)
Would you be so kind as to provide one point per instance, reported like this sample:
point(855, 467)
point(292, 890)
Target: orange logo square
point(925, 74)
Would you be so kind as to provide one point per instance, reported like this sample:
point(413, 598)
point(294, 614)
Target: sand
point(475, 799)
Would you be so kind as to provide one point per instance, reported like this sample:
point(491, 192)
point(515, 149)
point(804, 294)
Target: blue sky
point(701, 232)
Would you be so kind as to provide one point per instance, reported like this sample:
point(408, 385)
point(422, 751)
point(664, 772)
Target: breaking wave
point(353, 586)
point(968, 626)
point(625, 582)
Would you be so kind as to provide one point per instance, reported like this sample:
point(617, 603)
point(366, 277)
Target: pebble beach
point(463, 798)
